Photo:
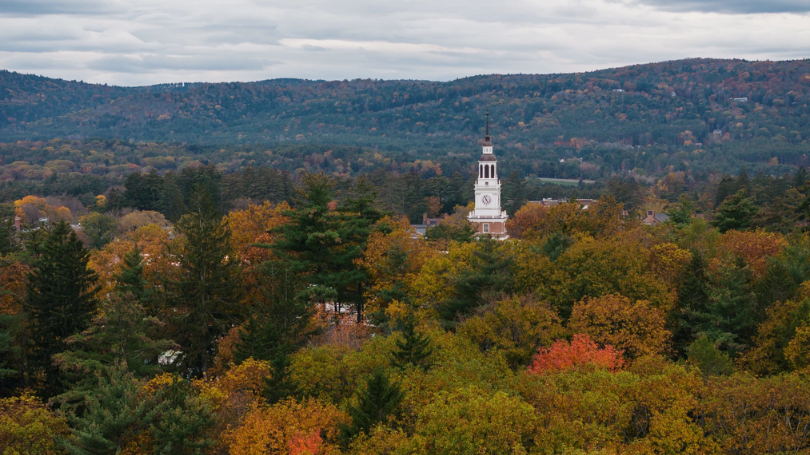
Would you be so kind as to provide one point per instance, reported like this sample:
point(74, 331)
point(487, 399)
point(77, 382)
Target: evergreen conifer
point(121, 333)
point(113, 413)
point(60, 299)
point(202, 298)
point(131, 280)
point(8, 233)
point(118, 410)
point(7, 321)
point(736, 212)
point(359, 215)
point(377, 402)
point(488, 275)
point(800, 179)
point(412, 348)
point(693, 299)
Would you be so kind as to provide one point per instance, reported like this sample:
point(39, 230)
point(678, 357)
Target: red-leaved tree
point(306, 444)
point(582, 352)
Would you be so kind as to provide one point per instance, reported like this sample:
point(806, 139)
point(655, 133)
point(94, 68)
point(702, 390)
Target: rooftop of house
point(655, 218)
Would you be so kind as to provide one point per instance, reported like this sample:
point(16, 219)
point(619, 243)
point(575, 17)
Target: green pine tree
point(279, 385)
point(112, 414)
point(321, 244)
point(359, 214)
point(118, 410)
point(121, 333)
point(744, 182)
point(785, 272)
point(412, 348)
point(7, 348)
point(60, 300)
point(201, 301)
point(515, 192)
point(457, 232)
point(556, 244)
point(130, 279)
point(693, 299)
point(732, 312)
point(309, 243)
point(377, 402)
point(8, 233)
point(781, 213)
point(736, 212)
point(800, 179)
point(681, 213)
point(488, 275)
point(180, 420)
point(171, 203)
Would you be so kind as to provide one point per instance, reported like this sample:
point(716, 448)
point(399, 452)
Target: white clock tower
point(487, 217)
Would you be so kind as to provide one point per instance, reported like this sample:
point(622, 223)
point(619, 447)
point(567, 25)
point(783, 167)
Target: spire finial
point(487, 122)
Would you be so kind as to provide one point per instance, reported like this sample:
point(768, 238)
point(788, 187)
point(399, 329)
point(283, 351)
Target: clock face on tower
point(486, 199)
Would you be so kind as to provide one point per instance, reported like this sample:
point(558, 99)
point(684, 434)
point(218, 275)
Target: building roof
point(488, 157)
point(655, 218)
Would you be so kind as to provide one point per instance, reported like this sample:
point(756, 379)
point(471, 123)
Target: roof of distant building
point(655, 218)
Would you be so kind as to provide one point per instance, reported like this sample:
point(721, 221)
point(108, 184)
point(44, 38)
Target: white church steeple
point(487, 216)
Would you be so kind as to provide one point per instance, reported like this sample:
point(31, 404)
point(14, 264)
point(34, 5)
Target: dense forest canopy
point(232, 268)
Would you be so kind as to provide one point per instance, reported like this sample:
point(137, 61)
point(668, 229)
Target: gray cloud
point(732, 6)
point(136, 42)
point(149, 63)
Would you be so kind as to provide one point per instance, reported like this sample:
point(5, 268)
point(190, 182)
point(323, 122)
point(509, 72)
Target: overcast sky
point(138, 42)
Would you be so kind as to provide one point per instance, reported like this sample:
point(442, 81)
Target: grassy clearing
point(565, 182)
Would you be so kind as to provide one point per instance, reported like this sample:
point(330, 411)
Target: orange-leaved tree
point(250, 227)
point(753, 246)
point(150, 241)
point(581, 352)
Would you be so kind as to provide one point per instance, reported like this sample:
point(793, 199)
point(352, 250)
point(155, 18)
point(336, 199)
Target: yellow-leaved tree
point(635, 327)
point(393, 258)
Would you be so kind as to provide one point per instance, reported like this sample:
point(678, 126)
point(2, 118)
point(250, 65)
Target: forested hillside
point(682, 116)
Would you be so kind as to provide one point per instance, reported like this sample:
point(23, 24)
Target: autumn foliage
point(635, 328)
point(287, 427)
point(581, 353)
point(586, 332)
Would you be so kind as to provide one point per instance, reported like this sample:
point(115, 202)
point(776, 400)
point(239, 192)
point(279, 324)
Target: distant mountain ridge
point(671, 104)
